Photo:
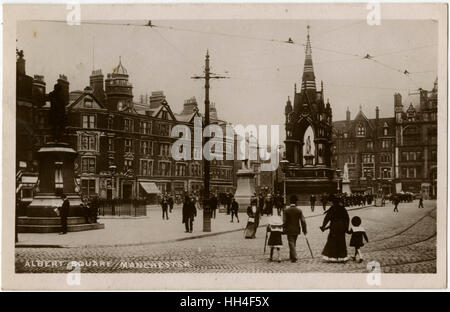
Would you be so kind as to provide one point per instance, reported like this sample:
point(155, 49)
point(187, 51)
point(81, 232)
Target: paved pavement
point(152, 228)
point(401, 242)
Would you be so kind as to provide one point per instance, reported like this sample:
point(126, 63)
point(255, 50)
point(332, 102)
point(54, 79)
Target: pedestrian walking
point(293, 224)
point(357, 239)
point(269, 205)
point(312, 200)
point(261, 201)
point(213, 203)
point(189, 213)
point(234, 209)
point(396, 201)
point(164, 206)
point(324, 201)
point(228, 202)
point(252, 222)
point(335, 249)
point(421, 201)
point(171, 203)
point(64, 213)
point(275, 230)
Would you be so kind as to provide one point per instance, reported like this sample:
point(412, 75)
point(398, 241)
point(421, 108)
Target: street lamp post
point(113, 168)
point(284, 164)
point(206, 165)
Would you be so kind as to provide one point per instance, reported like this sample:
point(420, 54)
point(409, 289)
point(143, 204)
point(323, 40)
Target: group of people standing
point(166, 202)
point(293, 223)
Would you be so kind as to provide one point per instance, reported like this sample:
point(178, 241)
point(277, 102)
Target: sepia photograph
point(264, 141)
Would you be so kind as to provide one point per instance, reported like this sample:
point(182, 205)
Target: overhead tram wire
point(289, 41)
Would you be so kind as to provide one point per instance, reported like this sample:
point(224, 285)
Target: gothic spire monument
point(308, 137)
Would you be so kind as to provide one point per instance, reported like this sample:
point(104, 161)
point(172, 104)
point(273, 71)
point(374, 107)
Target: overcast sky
point(262, 72)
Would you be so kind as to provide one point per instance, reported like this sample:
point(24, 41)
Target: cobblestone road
point(401, 243)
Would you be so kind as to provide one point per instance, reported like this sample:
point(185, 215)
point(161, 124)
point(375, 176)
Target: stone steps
point(49, 220)
point(57, 228)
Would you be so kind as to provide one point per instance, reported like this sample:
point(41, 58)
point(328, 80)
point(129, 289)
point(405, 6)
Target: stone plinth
point(245, 188)
point(56, 176)
point(346, 187)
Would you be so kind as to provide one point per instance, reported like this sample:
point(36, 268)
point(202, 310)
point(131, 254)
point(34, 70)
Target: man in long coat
point(293, 224)
point(189, 213)
point(64, 213)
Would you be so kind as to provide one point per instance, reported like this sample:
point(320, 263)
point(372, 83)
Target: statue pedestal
point(56, 176)
point(346, 187)
point(309, 160)
point(245, 188)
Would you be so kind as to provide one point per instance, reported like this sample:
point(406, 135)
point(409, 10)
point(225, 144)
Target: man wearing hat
point(294, 223)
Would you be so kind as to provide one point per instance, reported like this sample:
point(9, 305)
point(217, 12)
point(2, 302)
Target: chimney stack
point(348, 114)
point(377, 112)
point(62, 80)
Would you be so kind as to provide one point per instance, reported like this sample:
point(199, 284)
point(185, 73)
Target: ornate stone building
point(416, 143)
point(308, 138)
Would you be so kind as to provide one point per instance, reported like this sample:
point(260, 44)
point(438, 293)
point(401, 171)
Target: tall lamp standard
point(113, 168)
point(207, 213)
point(284, 164)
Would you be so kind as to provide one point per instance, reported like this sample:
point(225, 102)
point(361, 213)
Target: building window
point(110, 144)
point(385, 144)
point(368, 159)
point(385, 158)
point(145, 127)
point(412, 156)
point(164, 168)
point(351, 144)
point(87, 164)
point(164, 149)
point(88, 121)
point(128, 145)
point(411, 172)
point(146, 167)
point(386, 173)
point(128, 125)
point(87, 103)
point(180, 170)
point(88, 142)
point(368, 173)
point(145, 148)
point(351, 159)
point(385, 131)
point(162, 129)
point(195, 170)
point(361, 131)
point(110, 122)
point(128, 164)
point(88, 187)
point(369, 145)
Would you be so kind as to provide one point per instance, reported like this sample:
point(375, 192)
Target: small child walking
point(358, 235)
point(275, 228)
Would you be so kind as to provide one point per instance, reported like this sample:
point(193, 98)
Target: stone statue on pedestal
point(57, 112)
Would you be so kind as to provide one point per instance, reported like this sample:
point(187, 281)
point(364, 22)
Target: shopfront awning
point(150, 187)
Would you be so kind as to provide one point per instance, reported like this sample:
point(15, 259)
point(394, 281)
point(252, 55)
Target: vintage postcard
point(224, 146)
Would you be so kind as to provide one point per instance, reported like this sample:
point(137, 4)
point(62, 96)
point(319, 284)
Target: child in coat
point(275, 228)
point(358, 235)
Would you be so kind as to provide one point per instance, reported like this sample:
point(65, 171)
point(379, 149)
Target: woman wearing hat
point(335, 249)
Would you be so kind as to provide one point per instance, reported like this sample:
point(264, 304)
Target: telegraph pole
point(206, 166)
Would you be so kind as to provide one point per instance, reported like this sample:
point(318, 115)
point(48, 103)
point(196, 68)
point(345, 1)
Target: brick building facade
point(124, 147)
point(391, 155)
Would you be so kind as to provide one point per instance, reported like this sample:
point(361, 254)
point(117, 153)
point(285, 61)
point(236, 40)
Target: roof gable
point(86, 100)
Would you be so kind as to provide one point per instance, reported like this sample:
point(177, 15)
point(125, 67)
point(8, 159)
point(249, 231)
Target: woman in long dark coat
point(336, 248)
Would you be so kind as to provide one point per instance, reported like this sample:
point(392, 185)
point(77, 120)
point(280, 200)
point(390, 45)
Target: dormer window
point(361, 130)
point(119, 105)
